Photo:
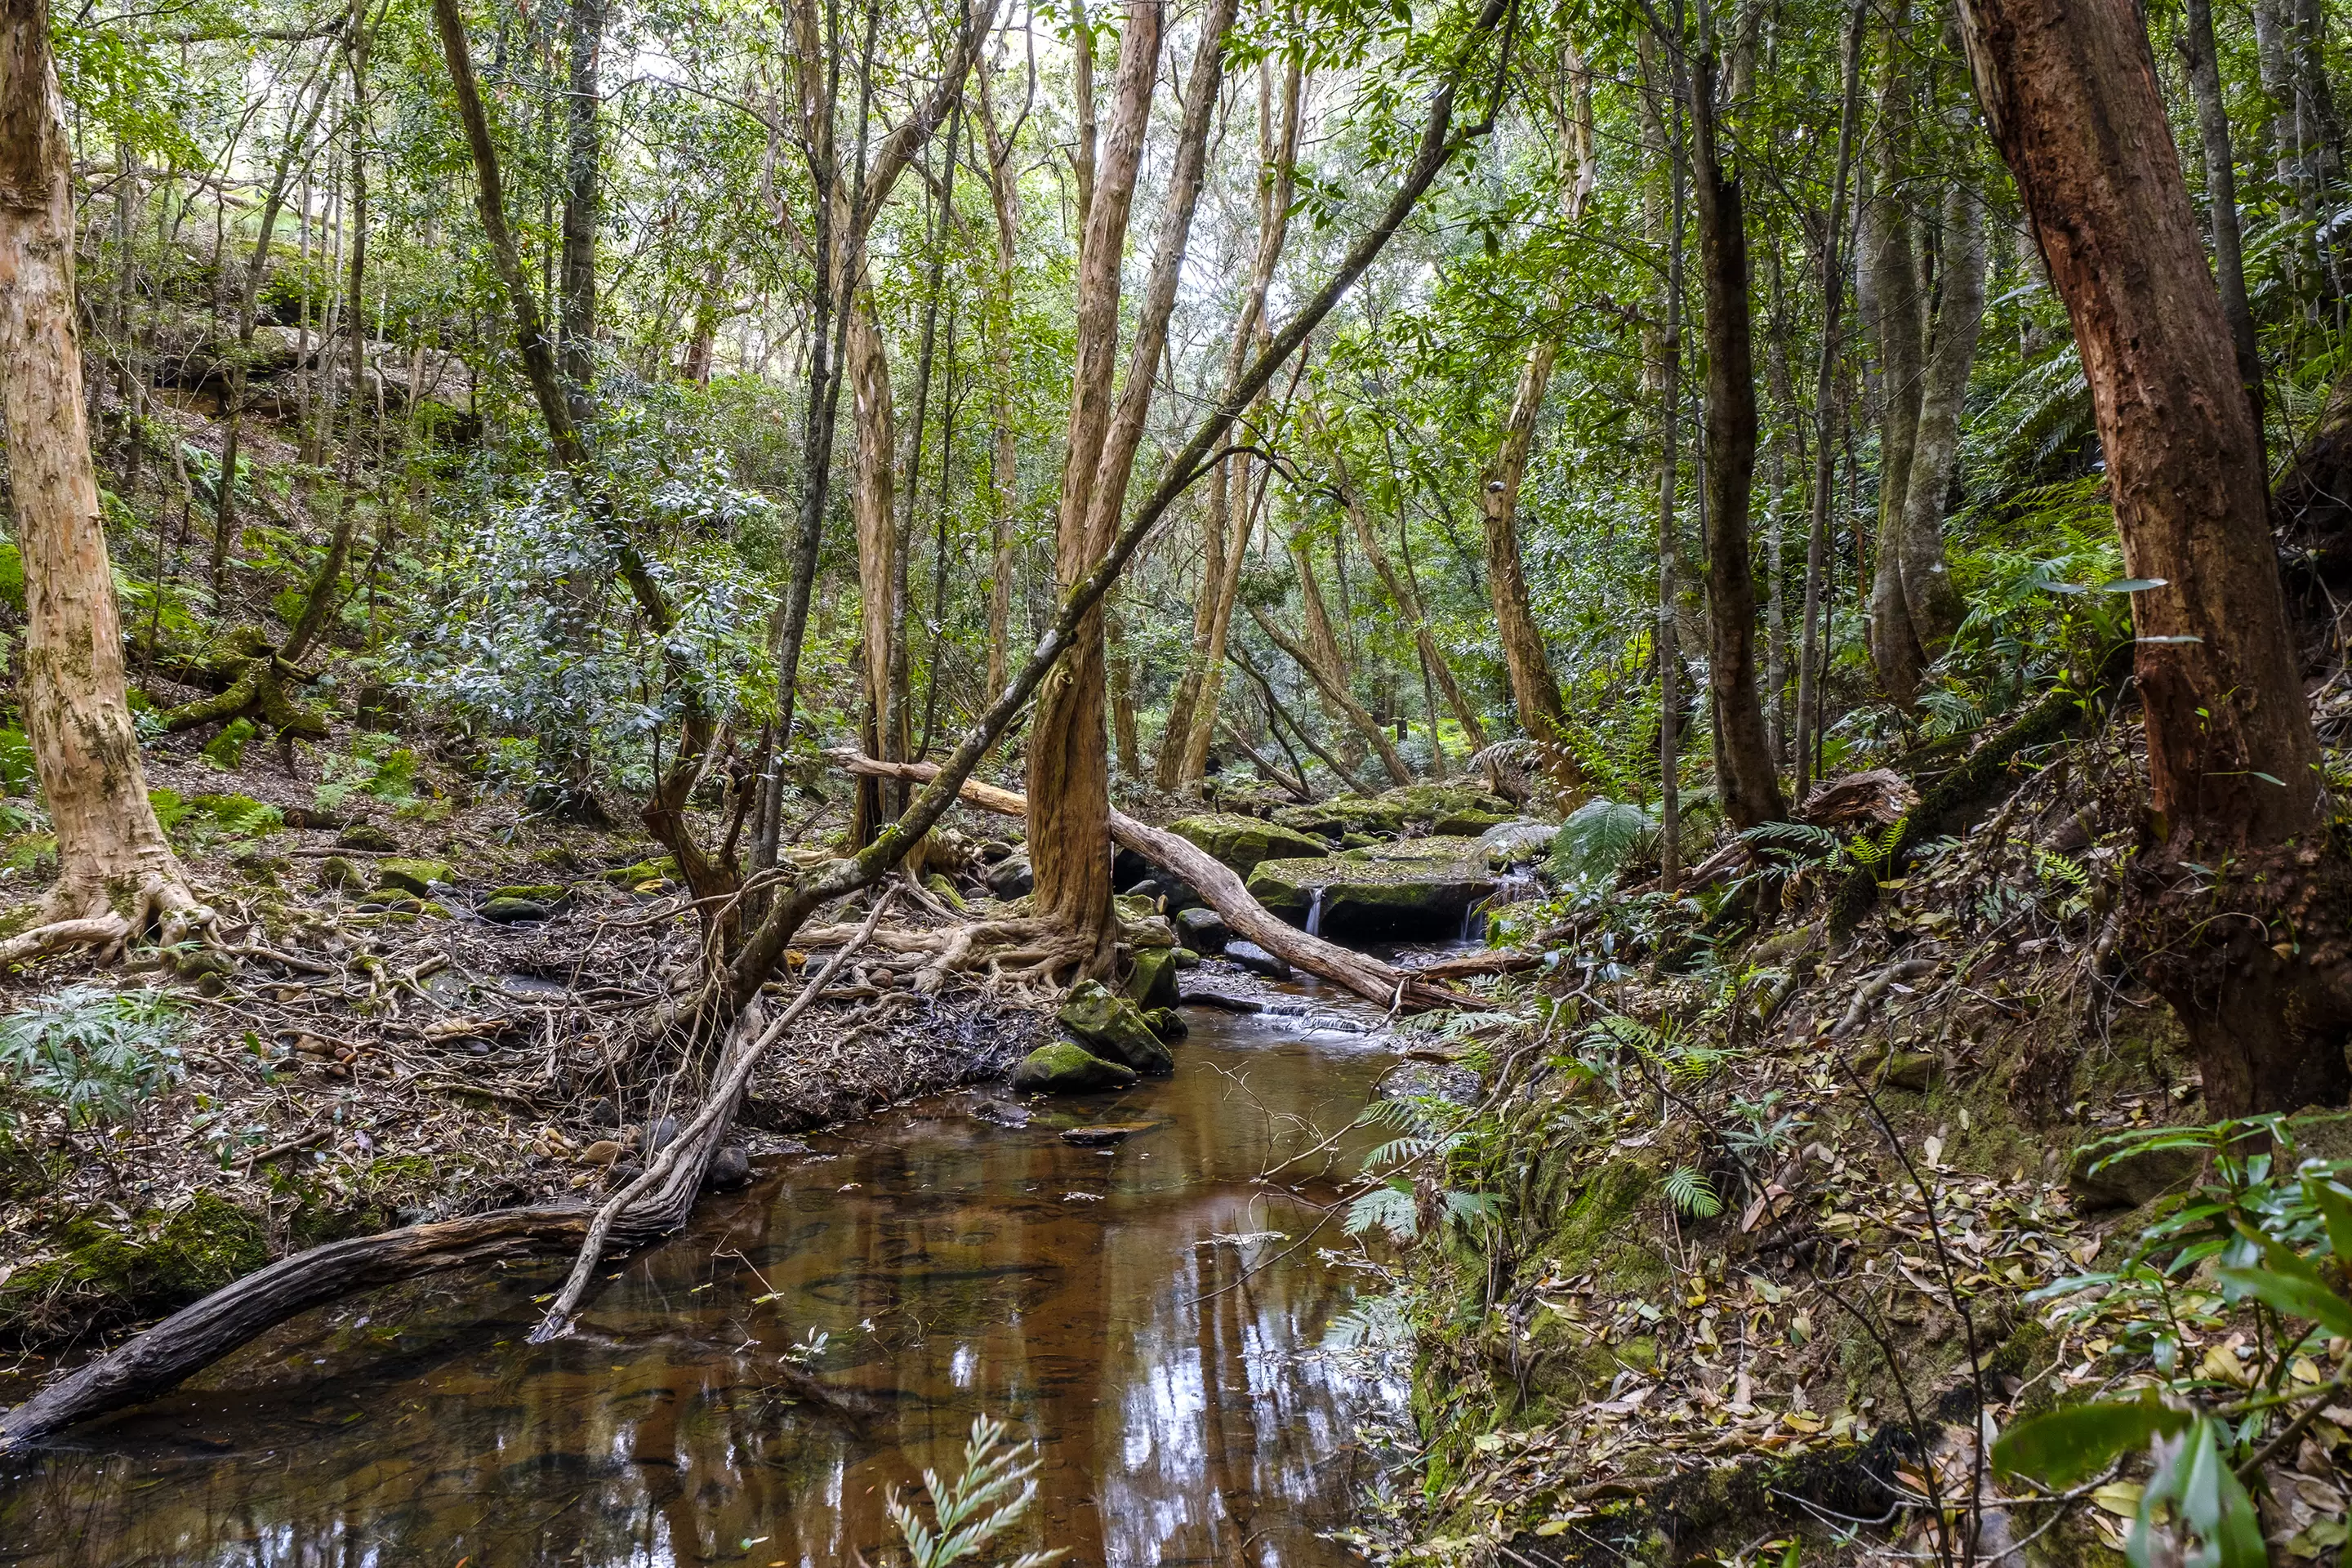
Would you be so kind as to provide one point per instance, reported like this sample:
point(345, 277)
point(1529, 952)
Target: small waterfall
point(1510, 888)
point(1314, 912)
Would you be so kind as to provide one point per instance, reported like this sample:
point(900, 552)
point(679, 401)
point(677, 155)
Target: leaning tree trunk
point(116, 869)
point(2071, 95)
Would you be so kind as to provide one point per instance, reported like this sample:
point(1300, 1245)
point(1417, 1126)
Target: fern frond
point(1691, 1193)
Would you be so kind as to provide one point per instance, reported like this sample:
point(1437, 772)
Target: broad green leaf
point(2297, 1296)
point(2059, 1448)
point(2131, 584)
point(2336, 1209)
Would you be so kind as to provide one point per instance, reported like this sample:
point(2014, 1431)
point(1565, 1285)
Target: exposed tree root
point(88, 914)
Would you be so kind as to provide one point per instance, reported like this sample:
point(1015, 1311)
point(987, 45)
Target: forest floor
point(440, 1033)
point(1774, 1223)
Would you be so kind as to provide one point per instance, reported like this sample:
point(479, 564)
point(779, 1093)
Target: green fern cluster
point(997, 1487)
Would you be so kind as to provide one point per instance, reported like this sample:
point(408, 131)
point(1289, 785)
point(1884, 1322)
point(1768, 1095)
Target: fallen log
point(152, 1362)
point(1222, 890)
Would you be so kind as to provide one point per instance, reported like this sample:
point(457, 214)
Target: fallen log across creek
point(657, 1203)
point(1222, 889)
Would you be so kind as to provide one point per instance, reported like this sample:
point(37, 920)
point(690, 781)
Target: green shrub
point(93, 1051)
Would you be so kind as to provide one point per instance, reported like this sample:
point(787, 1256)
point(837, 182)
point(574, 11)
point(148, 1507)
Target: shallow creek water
point(1094, 1299)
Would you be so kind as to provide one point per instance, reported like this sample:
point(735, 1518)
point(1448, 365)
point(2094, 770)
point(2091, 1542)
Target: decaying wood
point(1223, 891)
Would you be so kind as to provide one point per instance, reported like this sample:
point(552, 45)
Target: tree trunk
point(1534, 690)
point(1408, 602)
point(1749, 783)
point(1929, 600)
point(1192, 711)
point(1811, 650)
point(873, 512)
point(2202, 65)
point(2072, 99)
point(1068, 765)
point(1004, 473)
point(1331, 680)
point(115, 867)
point(1895, 312)
point(584, 153)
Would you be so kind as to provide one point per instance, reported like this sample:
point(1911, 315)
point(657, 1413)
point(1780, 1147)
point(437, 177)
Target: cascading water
point(1314, 912)
point(1510, 888)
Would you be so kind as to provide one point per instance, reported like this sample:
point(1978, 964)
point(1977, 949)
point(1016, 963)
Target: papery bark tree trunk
point(1893, 310)
point(116, 869)
point(2070, 94)
point(1069, 772)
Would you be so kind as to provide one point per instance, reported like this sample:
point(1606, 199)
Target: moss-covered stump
point(1244, 843)
point(1420, 888)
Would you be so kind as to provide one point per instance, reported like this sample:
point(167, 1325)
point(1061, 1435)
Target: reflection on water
point(1096, 1298)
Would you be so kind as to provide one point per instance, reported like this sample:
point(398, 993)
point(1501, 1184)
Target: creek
point(1136, 1310)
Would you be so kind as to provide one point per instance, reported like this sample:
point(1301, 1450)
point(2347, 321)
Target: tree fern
point(1596, 839)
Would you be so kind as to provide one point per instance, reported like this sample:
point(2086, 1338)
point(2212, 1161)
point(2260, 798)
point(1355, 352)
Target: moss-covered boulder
point(1448, 809)
point(515, 911)
point(1420, 888)
point(1111, 1027)
point(1152, 982)
point(1243, 842)
point(110, 1274)
point(407, 876)
point(1067, 1067)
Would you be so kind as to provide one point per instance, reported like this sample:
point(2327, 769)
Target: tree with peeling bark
point(118, 877)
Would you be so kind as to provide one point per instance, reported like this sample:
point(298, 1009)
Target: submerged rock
point(1001, 1113)
point(1112, 1027)
point(1104, 1135)
point(1241, 842)
point(1067, 1067)
point(1257, 961)
point(729, 1169)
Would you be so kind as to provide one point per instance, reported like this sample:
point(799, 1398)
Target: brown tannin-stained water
point(1101, 1302)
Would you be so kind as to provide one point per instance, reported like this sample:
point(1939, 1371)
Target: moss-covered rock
point(105, 1275)
point(1152, 983)
point(1111, 1027)
point(1243, 842)
point(1419, 888)
point(410, 876)
point(946, 893)
point(537, 892)
point(512, 911)
point(1067, 1067)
